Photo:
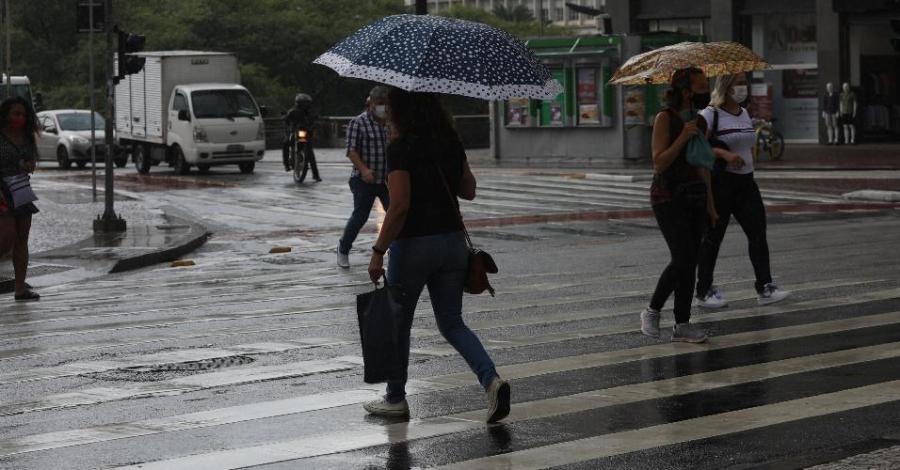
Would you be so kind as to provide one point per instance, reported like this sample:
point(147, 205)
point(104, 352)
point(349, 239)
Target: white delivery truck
point(188, 108)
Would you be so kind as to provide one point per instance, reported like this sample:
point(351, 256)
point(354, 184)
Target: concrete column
point(620, 12)
point(721, 20)
point(828, 52)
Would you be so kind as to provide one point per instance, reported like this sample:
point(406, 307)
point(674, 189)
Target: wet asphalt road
point(252, 359)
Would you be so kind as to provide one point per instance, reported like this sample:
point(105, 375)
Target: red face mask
point(17, 122)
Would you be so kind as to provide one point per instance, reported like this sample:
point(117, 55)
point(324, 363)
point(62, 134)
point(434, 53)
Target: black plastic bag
point(380, 313)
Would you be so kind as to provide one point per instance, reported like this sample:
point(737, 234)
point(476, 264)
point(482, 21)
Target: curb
point(618, 178)
point(873, 195)
point(194, 239)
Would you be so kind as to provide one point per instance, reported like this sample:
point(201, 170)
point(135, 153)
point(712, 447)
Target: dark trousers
point(310, 157)
point(736, 195)
point(683, 221)
point(364, 195)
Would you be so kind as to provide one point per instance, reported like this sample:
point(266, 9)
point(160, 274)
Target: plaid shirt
point(369, 139)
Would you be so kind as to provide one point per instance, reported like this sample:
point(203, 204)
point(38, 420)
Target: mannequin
point(830, 113)
point(848, 114)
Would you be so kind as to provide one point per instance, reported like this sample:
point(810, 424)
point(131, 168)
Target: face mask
point(739, 93)
point(17, 122)
point(700, 100)
point(380, 111)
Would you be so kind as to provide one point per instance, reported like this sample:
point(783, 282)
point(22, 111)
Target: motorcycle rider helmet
point(302, 98)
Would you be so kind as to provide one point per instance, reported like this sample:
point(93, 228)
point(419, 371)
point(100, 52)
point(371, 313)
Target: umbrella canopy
point(714, 58)
point(442, 55)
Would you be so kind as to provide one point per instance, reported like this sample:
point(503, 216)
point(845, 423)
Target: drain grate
point(206, 364)
point(160, 372)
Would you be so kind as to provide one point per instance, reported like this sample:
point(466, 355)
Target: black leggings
point(683, 221)
point(736, 195)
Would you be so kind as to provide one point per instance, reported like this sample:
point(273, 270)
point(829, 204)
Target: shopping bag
point(380, 313)
point(19, 189)
point(699, 153)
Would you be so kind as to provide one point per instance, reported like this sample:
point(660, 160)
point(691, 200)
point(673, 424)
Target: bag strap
point(453, 202)
point(715, 127)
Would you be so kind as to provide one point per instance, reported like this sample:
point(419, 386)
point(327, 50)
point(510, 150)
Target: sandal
point(28, 296)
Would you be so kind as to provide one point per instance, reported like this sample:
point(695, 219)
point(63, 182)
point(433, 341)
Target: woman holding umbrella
point(427, 167)
point(682, 201)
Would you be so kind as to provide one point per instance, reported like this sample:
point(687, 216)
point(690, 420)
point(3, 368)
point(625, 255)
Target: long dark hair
point(30, 116)
point(419, 114)
point(681, 80)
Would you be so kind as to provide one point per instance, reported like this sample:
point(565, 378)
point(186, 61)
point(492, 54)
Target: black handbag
point(380, 313)
point(717, 143)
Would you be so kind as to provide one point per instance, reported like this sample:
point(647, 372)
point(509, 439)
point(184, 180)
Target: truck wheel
point(81, 164)
point(141, 158)
point(62, 156)
point(181, 166)
point(203, 168)
point(121, 162)
point(247, 167)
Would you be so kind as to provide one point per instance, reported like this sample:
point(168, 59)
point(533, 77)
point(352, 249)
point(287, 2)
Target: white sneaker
point(687, 333)
point(343, 260)
point(498, 400)
point(650, 322)
point(713, 299)
point(772, 293)
point(383, 407)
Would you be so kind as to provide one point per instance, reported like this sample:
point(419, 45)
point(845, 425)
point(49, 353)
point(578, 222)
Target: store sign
point(802, 83)
point(761, 103)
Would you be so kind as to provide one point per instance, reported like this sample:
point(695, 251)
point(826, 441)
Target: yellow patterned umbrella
point(714, 58)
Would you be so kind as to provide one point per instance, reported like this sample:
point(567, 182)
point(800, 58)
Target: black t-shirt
point(431, 210)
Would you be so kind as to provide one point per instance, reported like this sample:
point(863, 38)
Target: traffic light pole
point(109, 221)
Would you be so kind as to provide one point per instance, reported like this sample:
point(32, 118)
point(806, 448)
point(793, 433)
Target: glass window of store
point(788, 92)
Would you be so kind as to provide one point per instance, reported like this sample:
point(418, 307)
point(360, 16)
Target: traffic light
point(895, 40)
point(129, 44)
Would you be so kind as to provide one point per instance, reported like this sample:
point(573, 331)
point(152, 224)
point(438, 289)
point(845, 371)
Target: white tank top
point(737, 132)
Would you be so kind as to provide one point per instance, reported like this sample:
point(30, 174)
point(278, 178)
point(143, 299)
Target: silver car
point(66, 138)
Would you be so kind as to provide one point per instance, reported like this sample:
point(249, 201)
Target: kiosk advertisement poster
point(553, 112)
point(635, 105)
point(517, 112)
point(761, 103)
point(588, 106)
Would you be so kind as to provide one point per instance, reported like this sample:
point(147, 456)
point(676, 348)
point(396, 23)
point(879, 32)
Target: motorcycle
point(300, 154)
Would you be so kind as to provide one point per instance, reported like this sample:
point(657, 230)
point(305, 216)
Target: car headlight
point(200, 135)
point(80, 140)
point(261, 132)
point(301, 134)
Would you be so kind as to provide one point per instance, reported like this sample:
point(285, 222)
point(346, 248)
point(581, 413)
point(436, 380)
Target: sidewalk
point(862, 157)
point(64, 247)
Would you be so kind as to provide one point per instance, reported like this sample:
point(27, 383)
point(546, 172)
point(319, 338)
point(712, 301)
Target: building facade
point(808, 42)
point(554, 11)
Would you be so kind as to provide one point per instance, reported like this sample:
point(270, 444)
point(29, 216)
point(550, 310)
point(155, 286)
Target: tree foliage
point(275, 41)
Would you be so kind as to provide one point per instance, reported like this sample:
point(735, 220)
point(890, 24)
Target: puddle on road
point(148, 183)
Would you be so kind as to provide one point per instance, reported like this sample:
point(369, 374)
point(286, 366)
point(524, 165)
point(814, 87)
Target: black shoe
point(318, 180)
point(28, 296)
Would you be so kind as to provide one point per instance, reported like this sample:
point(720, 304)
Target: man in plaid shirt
point(367, 140)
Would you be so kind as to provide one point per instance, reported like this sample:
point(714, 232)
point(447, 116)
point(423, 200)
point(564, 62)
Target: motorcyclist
point(301, 116)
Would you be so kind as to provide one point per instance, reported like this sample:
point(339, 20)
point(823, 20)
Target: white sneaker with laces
point(687, 333)
point(772, 293)
point(650, 322)
point(498, 393)
point(343, 260)
point(383, 407)
point(713, 299)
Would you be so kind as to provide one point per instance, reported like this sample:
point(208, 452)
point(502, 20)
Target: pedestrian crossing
point(774, 382)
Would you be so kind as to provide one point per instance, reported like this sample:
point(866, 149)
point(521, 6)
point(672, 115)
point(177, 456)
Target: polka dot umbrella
point(714, 58)
point(442, 55)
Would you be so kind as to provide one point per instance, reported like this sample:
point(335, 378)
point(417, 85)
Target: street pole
point(541, 16)
point(91, 94)
point(421, 7)
point(109, 222)
point(8, 53)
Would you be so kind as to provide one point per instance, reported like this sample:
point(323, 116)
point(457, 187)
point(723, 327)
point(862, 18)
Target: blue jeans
point(364, 195)
point(439, 262)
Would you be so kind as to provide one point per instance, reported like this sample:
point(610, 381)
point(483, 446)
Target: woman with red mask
point(18, 155)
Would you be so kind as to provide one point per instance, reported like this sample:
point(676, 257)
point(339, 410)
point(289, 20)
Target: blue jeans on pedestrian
point(364, 195)
point(440, 263)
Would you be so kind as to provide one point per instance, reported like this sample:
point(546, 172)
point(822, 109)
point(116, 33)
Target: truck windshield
point(223, 104)
point(80, 121)
point(17, 90)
